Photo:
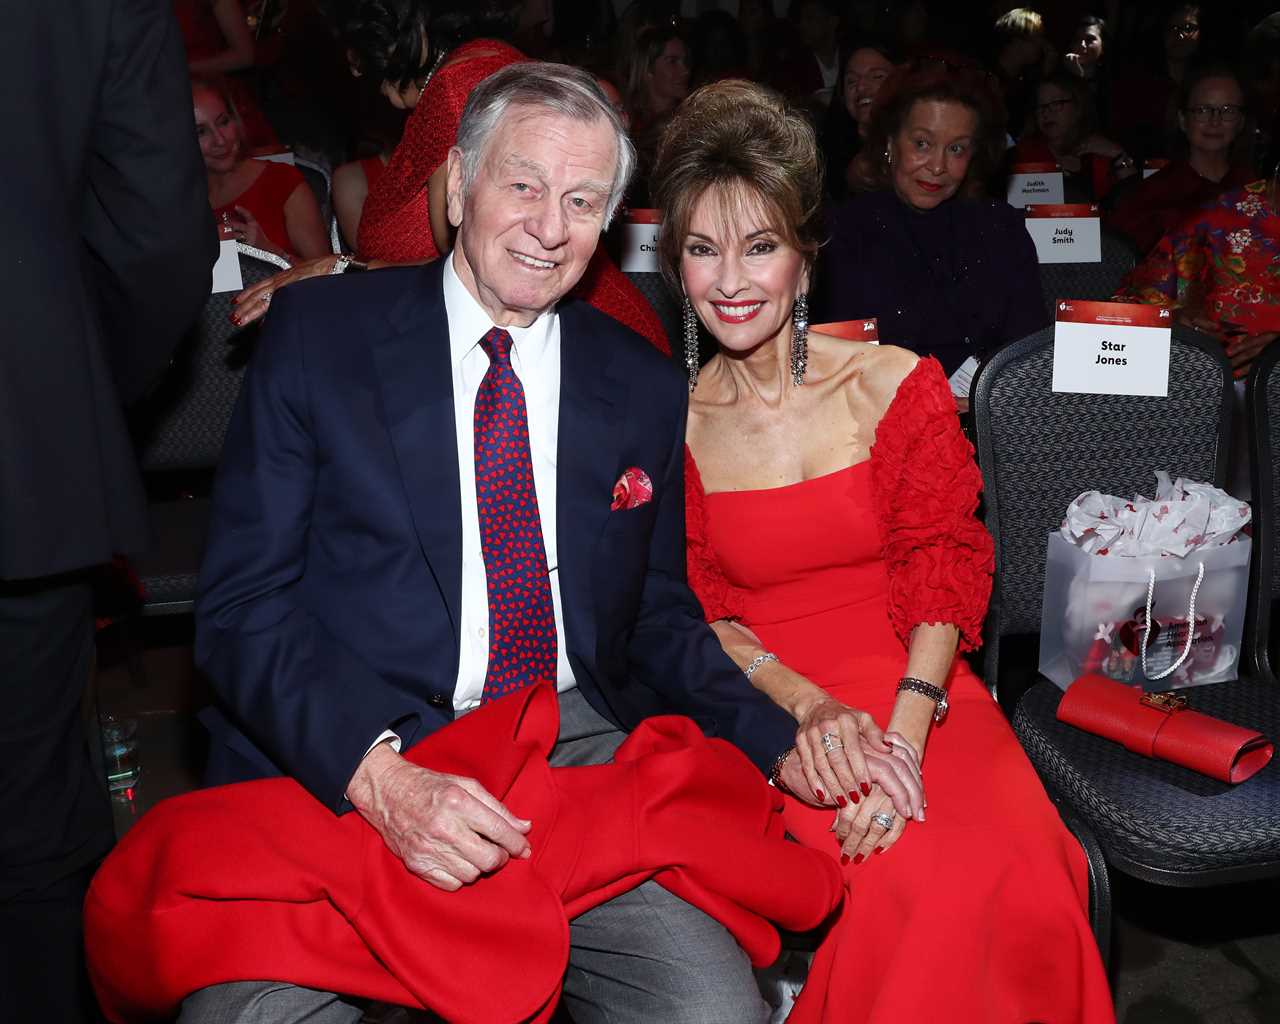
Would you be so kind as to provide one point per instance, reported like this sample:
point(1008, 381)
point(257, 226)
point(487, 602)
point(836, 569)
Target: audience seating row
point(1145, 818)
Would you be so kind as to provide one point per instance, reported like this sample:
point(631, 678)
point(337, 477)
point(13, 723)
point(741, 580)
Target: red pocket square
point(633, 489)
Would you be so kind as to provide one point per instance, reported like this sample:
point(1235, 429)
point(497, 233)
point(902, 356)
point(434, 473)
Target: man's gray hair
point(568, 91)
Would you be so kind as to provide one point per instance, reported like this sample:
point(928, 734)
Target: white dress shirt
point(535, 357)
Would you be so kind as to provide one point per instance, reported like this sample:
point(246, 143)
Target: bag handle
point(1191, 624)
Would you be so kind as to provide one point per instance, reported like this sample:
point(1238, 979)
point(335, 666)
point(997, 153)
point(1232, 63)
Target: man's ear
point(453, 186)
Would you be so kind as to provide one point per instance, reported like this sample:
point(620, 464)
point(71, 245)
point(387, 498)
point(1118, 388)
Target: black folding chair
point(1263, 419)
point(1038, 450)
point(180, 432)
point(655, 289)
point(1097, 281)
point(320, 179)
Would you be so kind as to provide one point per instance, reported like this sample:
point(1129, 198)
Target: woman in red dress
point(832, 540)
point(266, 204)
point(403, 219)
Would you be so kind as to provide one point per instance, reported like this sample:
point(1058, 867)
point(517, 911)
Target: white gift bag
point(1178, 562)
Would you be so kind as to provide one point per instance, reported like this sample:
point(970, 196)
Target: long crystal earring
point(799, 338)
point(690, 343)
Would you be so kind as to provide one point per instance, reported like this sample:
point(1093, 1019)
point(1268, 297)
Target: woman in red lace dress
point(833, 543)
point(403, 220)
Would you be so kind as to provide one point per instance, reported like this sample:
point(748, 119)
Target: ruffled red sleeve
point(926, 484)
point(719, 598)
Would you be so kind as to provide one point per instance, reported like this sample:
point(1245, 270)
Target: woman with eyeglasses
point(947, 271)
point(1212, 117)
point(1091, 163)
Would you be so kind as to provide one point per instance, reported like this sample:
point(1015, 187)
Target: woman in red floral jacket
point(1221, 270)
point(833, 543)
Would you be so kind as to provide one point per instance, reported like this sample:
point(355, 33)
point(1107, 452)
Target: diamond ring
point(830, 742)
point(884, 820)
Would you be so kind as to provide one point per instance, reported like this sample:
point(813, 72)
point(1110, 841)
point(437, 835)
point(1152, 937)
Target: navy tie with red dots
point(522, 623)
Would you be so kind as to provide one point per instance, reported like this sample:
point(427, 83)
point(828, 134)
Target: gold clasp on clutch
point(1166, 702)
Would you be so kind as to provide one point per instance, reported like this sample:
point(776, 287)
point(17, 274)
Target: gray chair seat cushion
point(1151, 812)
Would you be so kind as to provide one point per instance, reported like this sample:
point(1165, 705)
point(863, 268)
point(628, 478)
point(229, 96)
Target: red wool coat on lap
point(260, 881)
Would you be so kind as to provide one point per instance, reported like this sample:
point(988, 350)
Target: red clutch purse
point(1160, 725)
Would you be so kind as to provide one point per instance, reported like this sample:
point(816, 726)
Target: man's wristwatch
point(344, 263)
point(935, 693)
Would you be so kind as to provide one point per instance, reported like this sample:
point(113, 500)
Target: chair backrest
point(318, 177)
point(182, 425)
point(1038, 450)
point(654, 287)
point(1088, 280)
point(1264, 441)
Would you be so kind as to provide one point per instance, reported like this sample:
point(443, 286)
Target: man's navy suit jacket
point(330, 591)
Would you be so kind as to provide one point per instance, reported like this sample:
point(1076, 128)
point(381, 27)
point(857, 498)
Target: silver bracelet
point(757, 661)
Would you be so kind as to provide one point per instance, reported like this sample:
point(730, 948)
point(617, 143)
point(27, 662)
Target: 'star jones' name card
point(1066, 234)
point(640, 242)
point(865, 329)
point(1111, 348)
point(1035, 183)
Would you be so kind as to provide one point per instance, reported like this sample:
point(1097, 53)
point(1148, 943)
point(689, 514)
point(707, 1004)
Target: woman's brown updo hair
point(746, 142)
point(948, 82)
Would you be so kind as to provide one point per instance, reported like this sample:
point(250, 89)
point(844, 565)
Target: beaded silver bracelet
point(757, 661)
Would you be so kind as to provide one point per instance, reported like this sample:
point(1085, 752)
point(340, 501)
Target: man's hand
point(448, 829)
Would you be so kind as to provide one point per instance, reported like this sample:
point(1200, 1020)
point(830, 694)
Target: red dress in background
point(202, 37)
point(265, 199)
point(396, 222)
point(978, 914)
point(1160, 203)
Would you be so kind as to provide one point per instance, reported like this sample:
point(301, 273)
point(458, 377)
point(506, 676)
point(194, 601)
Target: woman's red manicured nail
point(819, 794)
point(878, 849)
point(841, 801)
point(865, 787)
point(858, 859)
point(844, 859)
point(854, 796)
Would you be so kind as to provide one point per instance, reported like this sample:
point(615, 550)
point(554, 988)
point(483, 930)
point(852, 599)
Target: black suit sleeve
point(674, 651)
point(304, 697)
point(147, 226)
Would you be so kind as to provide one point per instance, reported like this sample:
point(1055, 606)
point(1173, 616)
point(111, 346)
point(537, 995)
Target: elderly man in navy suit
point(443, 483)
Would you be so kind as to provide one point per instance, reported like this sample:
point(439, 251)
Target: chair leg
point(1099, 883)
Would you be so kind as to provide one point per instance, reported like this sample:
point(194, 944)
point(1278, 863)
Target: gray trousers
point(642, 958)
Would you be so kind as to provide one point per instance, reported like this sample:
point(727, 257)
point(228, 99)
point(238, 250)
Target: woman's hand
point(252, 303)
point(857, 828)
point(830, 742)
point(1243, 349)
point(244, 228)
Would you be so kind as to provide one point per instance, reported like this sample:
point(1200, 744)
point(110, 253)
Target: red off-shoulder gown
point(395, 224)
point(979, 913)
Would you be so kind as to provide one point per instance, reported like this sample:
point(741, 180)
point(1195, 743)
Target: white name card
point(1111, 348)
point(275, 156)
point(867, 329)
point(640, 242)
point(1150, 167)
point(226, 271)
point(1066, 234)
point(1035, 183)
point(962, 380)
